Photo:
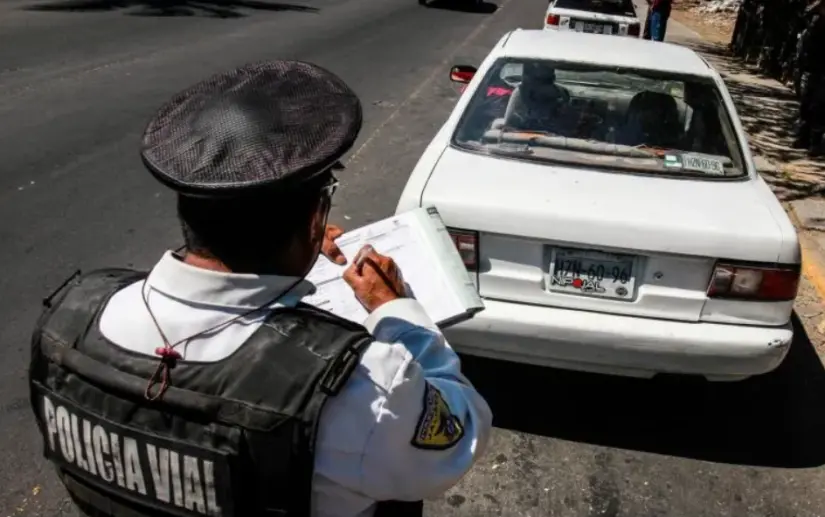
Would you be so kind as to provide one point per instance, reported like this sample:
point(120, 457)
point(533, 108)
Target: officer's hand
point(375, 279)
point(331, 250)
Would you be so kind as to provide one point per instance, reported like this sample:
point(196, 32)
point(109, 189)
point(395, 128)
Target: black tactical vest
point(230, 438)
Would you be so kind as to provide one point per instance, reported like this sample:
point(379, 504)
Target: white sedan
point(603, 195)
point(611, 17)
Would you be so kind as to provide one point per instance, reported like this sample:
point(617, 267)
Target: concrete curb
point(810, 213)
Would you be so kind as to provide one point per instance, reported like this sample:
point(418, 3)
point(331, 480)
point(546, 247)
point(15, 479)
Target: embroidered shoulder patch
point(437, 428)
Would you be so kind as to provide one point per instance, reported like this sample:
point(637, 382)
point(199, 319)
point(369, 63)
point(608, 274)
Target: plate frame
point(550, 263)
point(595, 24)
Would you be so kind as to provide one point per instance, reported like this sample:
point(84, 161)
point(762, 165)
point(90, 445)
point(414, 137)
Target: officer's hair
point(247, 230)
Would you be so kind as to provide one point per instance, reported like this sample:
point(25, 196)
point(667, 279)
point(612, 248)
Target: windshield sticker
point(671, 160)
point(677, 91)
point(699, 163)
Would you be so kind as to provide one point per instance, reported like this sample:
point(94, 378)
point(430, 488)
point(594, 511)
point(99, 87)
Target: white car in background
point(602, 193)
point(611, 17)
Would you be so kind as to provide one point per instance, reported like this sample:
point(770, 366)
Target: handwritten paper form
point(403, 237)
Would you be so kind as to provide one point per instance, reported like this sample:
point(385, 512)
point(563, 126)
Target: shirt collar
point(177, 279)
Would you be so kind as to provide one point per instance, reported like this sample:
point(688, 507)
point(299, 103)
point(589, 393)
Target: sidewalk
point(767, 109)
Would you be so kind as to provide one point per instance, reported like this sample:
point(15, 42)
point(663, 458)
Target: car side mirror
point(462, 73)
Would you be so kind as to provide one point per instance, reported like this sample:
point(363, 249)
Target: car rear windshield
point(603, 117)
point(612, 7)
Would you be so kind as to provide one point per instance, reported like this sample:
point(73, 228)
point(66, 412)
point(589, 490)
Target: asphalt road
point(79, 81)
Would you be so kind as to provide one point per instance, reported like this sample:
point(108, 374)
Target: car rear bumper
point(619, 345)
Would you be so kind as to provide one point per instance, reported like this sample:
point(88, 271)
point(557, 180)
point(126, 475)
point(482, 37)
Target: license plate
point(593, 28)
point(709, 166)
point(592, 273)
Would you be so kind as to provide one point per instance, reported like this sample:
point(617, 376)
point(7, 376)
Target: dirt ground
point(715, 27)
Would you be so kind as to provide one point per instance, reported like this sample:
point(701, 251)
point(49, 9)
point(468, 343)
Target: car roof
point(598, 49)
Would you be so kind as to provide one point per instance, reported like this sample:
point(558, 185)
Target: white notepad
point(419, 243)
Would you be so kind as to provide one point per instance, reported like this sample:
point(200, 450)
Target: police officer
point(205, 386)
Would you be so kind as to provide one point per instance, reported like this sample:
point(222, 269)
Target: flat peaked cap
point(270, 124)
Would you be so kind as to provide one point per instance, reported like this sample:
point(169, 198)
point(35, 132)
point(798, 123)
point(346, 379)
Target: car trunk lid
point(593, 22)
point(663, 234)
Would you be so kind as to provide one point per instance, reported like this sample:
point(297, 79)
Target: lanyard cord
point(167, 353)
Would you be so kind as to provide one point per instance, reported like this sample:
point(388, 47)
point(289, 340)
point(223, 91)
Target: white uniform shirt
point(364, 450)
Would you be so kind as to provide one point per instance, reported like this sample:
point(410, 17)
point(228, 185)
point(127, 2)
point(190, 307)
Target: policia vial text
point(117, 459)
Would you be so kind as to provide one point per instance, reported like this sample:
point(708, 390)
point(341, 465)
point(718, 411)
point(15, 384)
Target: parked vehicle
point(611, 17)
point(610, 212)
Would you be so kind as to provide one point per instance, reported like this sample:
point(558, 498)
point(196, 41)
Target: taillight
point(466, 242)
point(633, 29)
point(758, 283)
point(552, 19)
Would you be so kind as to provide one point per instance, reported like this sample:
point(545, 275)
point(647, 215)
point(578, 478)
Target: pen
point(362, 256)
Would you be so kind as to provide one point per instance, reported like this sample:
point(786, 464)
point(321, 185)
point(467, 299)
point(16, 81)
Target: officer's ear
point(314, 221)
point(318, 203)
point(319, 218)
point(327, 190)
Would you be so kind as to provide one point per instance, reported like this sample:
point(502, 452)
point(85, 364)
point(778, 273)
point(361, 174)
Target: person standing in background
point(658, 13)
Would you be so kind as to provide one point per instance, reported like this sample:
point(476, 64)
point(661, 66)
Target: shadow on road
point(213, 8)
point(768, 111)
point(772, 420)
point(464, 6)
